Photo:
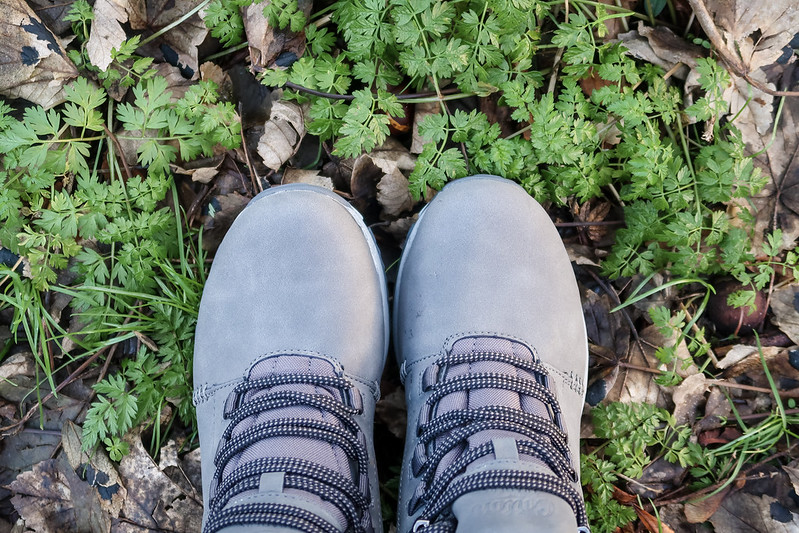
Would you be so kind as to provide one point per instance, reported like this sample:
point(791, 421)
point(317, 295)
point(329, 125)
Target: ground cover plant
point(660, 136)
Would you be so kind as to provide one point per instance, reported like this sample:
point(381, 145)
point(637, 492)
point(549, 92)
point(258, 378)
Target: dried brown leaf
point(699, 511)
point(750, 513)
point(107, 32)
point(422, 110)
point(52, 498)
point(96, 468)
point(155, 501)
point(312, 177)
point(182, 40)
point(267, 42)
point(777, 205)
point(687, 398)
point(393, 193)
point(33, 62)
point(282, 135)
point(786, 315)
point(662, 47)
point(637, 386)
point(756, 32)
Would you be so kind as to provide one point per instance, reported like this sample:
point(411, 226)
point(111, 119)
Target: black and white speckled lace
point(457, 437)
point(256, 411)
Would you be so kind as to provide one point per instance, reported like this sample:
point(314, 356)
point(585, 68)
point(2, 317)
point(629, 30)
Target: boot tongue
point(501, 510)
point(476, 398)
point(271, 488)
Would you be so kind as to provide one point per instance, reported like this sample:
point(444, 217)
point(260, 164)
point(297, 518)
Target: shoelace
point(347, 495)
point(542, 438)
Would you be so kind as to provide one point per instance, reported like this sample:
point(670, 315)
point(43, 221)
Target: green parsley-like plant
point(93, 225)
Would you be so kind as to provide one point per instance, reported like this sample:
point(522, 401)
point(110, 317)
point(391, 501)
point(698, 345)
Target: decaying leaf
point(755, 32)
point(106, 32)
point(379, 176)
point(699, 511)
point(749, 36)
point(779, 200)
point(312, 177)
point(96, 469)
point(687, 398)
point(222, 211)
point(154, 501)
point(269, 44)
point(750, 106)
point(53, 13)
point(662, 47)
point(179, 44)
point(786, 314)
point(33, 63)
point(750, 513)
point(52, 498)
point(282, 134)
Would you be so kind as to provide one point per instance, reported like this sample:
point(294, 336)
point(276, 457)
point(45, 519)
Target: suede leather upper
point(298, 273)
point(484, 260)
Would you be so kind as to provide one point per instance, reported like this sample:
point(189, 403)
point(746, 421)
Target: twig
point(583, 224)
point(13, 269)
point(696, 330)
point(254, 177)
point(121, 151)
point(732, 385)
point(734, 63)
point(58, 388)
point(332, 96)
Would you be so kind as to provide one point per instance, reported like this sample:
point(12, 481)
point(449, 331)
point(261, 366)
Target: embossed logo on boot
point(508, 506)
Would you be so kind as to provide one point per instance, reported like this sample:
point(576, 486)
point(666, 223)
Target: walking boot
point(490, 338)
point(291, 340)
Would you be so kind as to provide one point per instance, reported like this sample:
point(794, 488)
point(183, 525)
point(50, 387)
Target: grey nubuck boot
point(492, 348)
point(291, 340)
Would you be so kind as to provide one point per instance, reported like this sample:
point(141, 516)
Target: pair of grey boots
point(291, 340)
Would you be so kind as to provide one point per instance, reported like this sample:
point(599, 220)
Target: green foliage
point(126, 68)
point(223, 18)
point(134, 266)
point(625, 140)
point(635, 434)
point(48, 151)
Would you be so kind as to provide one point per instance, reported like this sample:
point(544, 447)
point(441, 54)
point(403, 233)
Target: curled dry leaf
point(662, 47)
point(107, 32)
point(754, 32)
point(33, 63)
point(393, 189)
point(282, 135)
point(312, 177)
point(44, 499)
point(637, 386)
point(750, 36)
point(378, 176)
